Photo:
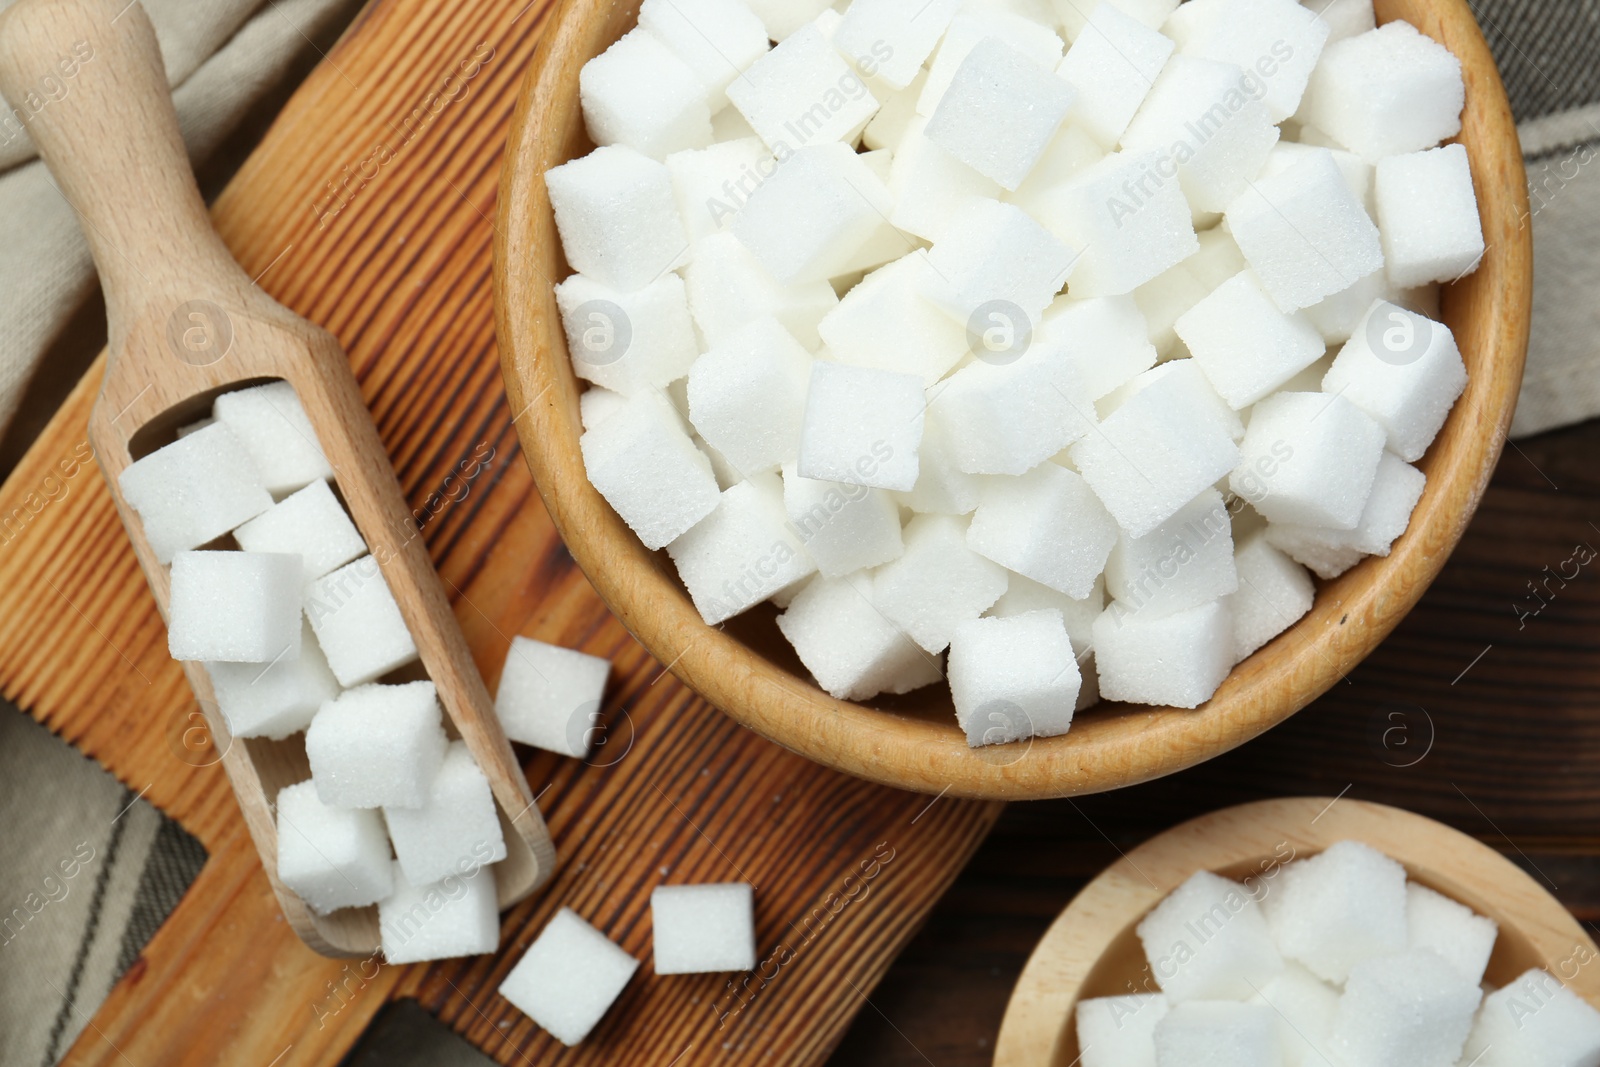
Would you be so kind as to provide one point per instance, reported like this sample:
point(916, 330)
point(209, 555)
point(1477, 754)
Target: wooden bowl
point(1091, 950)
point(748, 670)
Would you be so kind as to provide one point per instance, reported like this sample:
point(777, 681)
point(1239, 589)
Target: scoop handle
point(86, 79)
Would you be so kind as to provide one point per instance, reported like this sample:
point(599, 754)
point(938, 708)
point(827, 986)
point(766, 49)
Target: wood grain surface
point(393, 257)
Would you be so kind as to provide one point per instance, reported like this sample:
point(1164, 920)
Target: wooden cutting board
point(369, 209)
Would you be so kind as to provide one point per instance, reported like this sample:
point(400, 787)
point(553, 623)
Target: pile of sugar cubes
point(1333, 961)
point(274, 591)
point(1071, 338)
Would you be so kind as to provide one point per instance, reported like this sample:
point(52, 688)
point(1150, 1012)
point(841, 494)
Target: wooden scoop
point(185, 324)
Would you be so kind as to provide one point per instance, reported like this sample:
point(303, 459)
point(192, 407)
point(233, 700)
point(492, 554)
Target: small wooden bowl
point(1092, 949)
point(748, 670)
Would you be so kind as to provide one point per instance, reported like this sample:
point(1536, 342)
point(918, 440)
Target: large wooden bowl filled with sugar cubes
point(1093, 949)
point(745, 666)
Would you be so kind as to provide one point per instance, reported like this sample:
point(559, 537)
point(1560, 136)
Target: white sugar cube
point(994, 257)
point(1274, 592)
point(1450, 930)
point(849, 645)
point(727, 288)
point(1304, 232)
point(617, 217)
point(357, 622)
point(1275, 42)
point(1410, 1009)
point(194, 490)
point(711, 184)
point(967, 30)
point(1119, 1031)
point(1006, 415)
point(638, 93)
point(309, 523)
point(457, 916)
point(741, 553)
point(1218, 1033)
point(1308, 458)
point(457, 823)
point(1345, 18)
point(644, 464)
point(1405, 371)
point(1200, 118)
point(937, 583)
point(549, 696)
point(1183, 563)
point(276, 699)
point(747, 396)
point(1428, 215)
point(895, 36)
point(627, 342)
point(234, 607)
point(942, 488)
point(1023, 595)
point(699, 929)
point(1246, 346)
point(716, 38)
point(596, 404)
point(1129, 222)
point(1387, 91)
point(1534, 1020)
point(929, 185)
point(1113, 61)
point(1357, 172)
point(1396, 488)
point(1159, 449)
point(802, 93)
point(377, 746)
point(1074, 14)
point(1105, 338)
point(1013, 678)
point(885, 322)
point(1208, 941)
point(568, 978)
point(862, 426)
point(331, 857)
point(1047, 525)
point(1342, 906)
point(1177, 659)
point(999, 112)
point(808, 218)
point(845, 528)
point(1304, 1006)
point(273, 426)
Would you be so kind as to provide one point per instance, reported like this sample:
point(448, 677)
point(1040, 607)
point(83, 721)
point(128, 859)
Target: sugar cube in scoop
point(457, 823)
point(377, 746)
point(358, 623)
point(234, 607)
point(331, 857)
point(1208, 941)
point(456, 916)
point(194, 490)
point(271, 422)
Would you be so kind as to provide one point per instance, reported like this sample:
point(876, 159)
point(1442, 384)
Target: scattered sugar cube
point(886, 323)
point(1208, 941)
point(1404, 370)
point(1409, 1009)
point(1119, 1031)
point(358, 623)
point(862, 426)
point(1047, 525)
point(1178, 659)
point(457, 916)
point(847, 643)
point(617, 217)
point(929, 185)
point(1428, 215)
point(747, 396)
point(1342, 906)
point(741, 553)
point(1305, 1007)
point(845, 528)
point(1450, 930)
point(783, 18)
point(1396, 488)
point(1203, 123)
point(699, 929)
point(1007, 417)
point(377, 746)
point(1308, 458)
point(1218, 1033)
point(644, 464)
point(638, 93)
point(1274, 592)
point(711, 184)
point(271, 423)
point(802, 93)
point(276, 699)
point(549, 696)
point(1387, 91)
point(808, 218)
point(194, 490)
point(628, 342)
point(716, 38)
point(993, 256)
point(456, 824)
point(1304, 232)
point(938, 581)
point(331, 857)
point(894, 36)
point(309, 523)
point(568, 978)
point(1534, 1020)
point(967, 30)
point(1245, 345)
point(727, 288)
point(1113, 61)
point(999, 112)
point(1105, 338)
point(942, 488)
point(234, 607)
point(1183, 563)
point(1275, 42)
point(1013, 678)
